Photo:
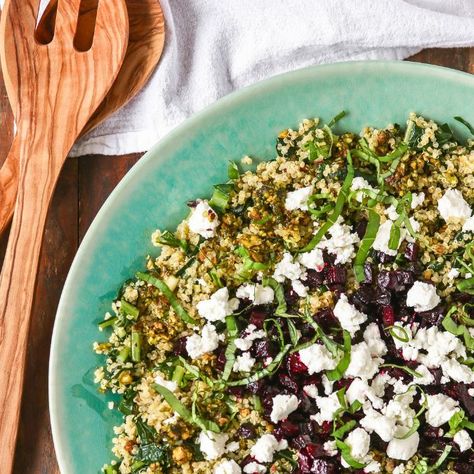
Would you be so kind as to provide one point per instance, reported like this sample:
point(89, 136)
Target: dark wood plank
point(98, 177)
point(6, 122)
point(35, 450)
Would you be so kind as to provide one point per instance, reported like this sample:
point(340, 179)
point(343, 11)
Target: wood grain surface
point(84, 185)
point(42, 76)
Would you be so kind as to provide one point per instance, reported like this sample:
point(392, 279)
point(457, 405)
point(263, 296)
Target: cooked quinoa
point(314, 316)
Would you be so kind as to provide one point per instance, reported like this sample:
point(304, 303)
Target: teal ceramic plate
point(184, 165)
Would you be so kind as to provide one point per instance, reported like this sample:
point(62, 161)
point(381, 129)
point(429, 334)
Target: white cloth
point(216, 46)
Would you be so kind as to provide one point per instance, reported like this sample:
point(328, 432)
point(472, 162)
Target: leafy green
point(220, 197)
point(146, 433)
point(249, 266)
point(183, 412)
point(366, 244)
point(413, 134)
point(451, 326)
point(269, 370)
point(168, 238)
point(232, 331)
point(129, 309)
point(126, 405)
point(465, 123)
point(153, 453)
point(168, 294)
point(400, 333)
point(340, 201)
point(136, 344)
point(233, 170)
point(347, 456)
point(279, 294)
point(444, 135)
point(336, 119)
point(294, 334)
point(412, 372)
point(107, 322)
point(343, 364)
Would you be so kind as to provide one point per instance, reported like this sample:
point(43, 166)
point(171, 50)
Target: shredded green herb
point(366, 244)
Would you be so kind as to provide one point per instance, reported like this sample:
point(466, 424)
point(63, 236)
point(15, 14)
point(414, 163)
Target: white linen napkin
point(214, 47)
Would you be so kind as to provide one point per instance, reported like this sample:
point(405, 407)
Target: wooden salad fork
point(59, 89)
point(146, 42)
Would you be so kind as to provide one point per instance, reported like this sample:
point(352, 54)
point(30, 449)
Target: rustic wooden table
point(84, 185)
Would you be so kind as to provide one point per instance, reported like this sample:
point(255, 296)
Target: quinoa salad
point(313, 316)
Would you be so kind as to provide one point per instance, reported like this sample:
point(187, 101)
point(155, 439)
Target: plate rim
point(60, 445)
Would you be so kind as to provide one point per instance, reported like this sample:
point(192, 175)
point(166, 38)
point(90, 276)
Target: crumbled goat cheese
point(463, 440)
point(265, 447)
point(373, 466)
point(311, 390)
point(327, 385)
point(403, 449)
point(330, 448)
point(169, 384)
point(383, 237)
point(384, 426)
point(299, 288)
point(341, 243)
point(328, 407)
point(287, 268)
point(282, 406)
point(391, 213)
point(317, 358)
point(203, 220)
point(399, 409)
point(232, 447)
point(358, 441)
point(377, 346)
point(468, 226)
point(417, 199)
point(313, 259)
point(440, 409)
point(198, 345)
point(244, 363)
point(422, 296)
point(471, 392)
point(212, 445)
point(255, 468)
point(218, 306)
point(360, 183)
point(453, 206)
point(348, 315)
point(457, 371)
point(427, 378)
point(227, 467)
point(438, 345)
point(251, 334)
point(362, 364)
point(258, 294)
point(298, 199)
point(400, 469)
point(453, 273)
point(360, 390)
point(246, 160)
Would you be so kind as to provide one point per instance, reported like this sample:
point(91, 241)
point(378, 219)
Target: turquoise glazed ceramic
point(183, 166)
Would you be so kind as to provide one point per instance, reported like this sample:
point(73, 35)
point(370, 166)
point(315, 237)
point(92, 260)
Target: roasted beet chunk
point(411, 252)
point(291, 297)
point(336, 275)
point(314, 279)
point(326, 319)
point(368, 273)
point(388, 316)
point(288, 429)
point(179, 348)
point(382, 297)
point(396, 280)
point(246, 431)
point(434, 317)
point(264, 348)
point(295, 366)
point(383, 257)
point(288, 383)
point(363, 297)
point(324, 466)
point(257, 317)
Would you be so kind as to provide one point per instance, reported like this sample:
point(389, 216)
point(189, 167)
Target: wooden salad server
point(59, 88)
point(145, 46)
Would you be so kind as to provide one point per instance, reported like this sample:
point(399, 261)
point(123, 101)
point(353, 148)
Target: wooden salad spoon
point(146, 42)
point(59, 88)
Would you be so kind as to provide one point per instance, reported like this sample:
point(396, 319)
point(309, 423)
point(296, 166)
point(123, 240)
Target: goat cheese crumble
point(453, 206)
point(218, 306)
point(298, 199)
point(266, 446)
point(203, 220)
point(282, 406)
point(348, 315)
point(422, 297)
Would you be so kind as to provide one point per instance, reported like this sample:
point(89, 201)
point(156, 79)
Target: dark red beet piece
point(388, 316)
point(289, 383)
point(179, 348)
point(368, 273)
point(295, 366)
point(433, 317)
point(411, 252)
point(324, 466)
point(314, 279)
point(257, 317)
point(382, 297)
point(288, 429)
point(247, 431)
point(383, 257)
point(336, 275)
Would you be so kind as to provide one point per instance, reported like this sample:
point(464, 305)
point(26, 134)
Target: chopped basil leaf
point(233, 170)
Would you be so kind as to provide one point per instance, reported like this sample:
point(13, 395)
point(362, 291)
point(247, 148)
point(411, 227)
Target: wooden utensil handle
point(9, 175)
point(17, 284)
